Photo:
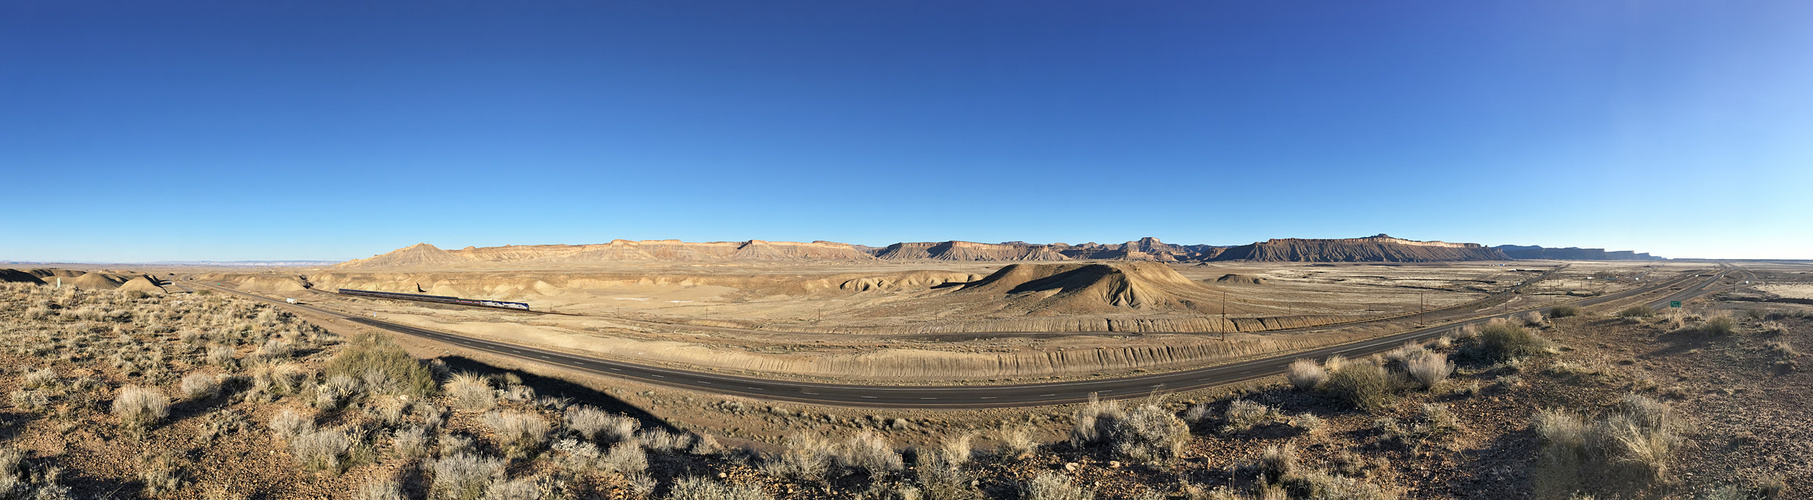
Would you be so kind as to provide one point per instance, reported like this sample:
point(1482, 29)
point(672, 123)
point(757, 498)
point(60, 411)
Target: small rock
point(1071, 466)
point(1114, 464)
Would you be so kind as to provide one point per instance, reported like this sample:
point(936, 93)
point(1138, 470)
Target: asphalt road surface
point(953, 397)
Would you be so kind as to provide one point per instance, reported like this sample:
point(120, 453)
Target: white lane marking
point(755, 388)
point(656, 376)
point(615, 370)
point(869, 397)
point(988, 397)
point(702, 382)
point(928, 398)
point(1046, 395)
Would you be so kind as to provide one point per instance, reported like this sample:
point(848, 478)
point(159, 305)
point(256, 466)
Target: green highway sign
point(1674, 303)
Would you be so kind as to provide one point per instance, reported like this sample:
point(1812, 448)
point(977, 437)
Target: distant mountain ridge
point(1378, 248)
point(1571, 253)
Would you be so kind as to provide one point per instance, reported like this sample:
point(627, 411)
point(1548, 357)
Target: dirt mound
point(1092, 288)
point(17, 276)
point(142, 284)
point(55, 273)
point(1380, 248)
point(914, 280)
point(1240, 279)
point(97, 281)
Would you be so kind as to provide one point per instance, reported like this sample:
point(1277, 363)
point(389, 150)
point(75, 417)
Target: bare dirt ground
point(946, 323)
point(1725, 377)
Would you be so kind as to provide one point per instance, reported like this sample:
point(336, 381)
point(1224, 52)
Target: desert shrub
point(336, 391)
point(1564, 311)
point(410, 443)
point(1435, 422)
point(1333, 363)
point(705, 445)
point(139, 407)
point(1278, 461)
point(662, 440)
point(527, 489)
point(382, 489)
point(1306, 375)
point(1429, 369)
point(287, 424)
point(956, 450)
point(470, 392)
point(1533, 318)
point(1637, 311)
point(39, 379)
point(519, 433)
point(1308, 422)
point(1015, 443)
point(1317, 484)
point(1243, 415)
point(595, 424)
point(806, 458)
point(624, 457)
point(1501, 341)
point(274, 349)
point(1403, 354)
point(1625, 450)
point(1092, 420)
point(870, 454)
point(199, 386)
point(1047, 485)
point(30, 400)
point(374, 358)
point(455, 444)
point(1719, 324)
point(160, 475)
point(939, 479)
point(322, 449)
point(221, 356)
point(463, 476)
point(698, 488)
point(1364, 385)
point(1149, 433)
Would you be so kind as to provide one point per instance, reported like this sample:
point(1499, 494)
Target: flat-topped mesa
point(969, 251)
point(424, 255)
point(1380, 248)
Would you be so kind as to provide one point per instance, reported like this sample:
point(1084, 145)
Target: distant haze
point(208, 131)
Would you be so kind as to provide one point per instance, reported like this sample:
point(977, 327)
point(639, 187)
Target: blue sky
point(136, 131)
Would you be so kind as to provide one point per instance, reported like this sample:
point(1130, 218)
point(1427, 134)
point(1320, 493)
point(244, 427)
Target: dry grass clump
point(1625, 450)
point(698, 488)
point(199, 386)
point(470, 392)
point(1365, 385)
point(20, 479)
point(221, 356)
point(1719, 324)
point(869, 454)
point(322, 449)
point(599, 425)
point(806, 458)
point(1149, 433)
point(519, 433)
point(1049, 485)
point(1429, 369)
point(410, 443)
point(1434, 423)
point(289, 423)
point(1015, 442)
point(1503, 341)
point(1243, 415)
point(384, 367)
point(1285, 478)
point(140, 407)
point(382, 489)
point(1306, 375)
point(39, 379)
point(1564, 311)
point(463, 476)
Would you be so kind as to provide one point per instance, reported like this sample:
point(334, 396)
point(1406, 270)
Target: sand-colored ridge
point(1378, 248)
point(1043, 289)
point(17, 276)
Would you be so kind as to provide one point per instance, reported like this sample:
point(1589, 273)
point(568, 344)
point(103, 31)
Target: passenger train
point(436, 298)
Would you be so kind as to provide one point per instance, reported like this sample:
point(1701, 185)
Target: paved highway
point(991, 396)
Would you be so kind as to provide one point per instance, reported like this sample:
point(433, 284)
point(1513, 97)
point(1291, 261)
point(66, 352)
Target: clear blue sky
point(139, 131)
